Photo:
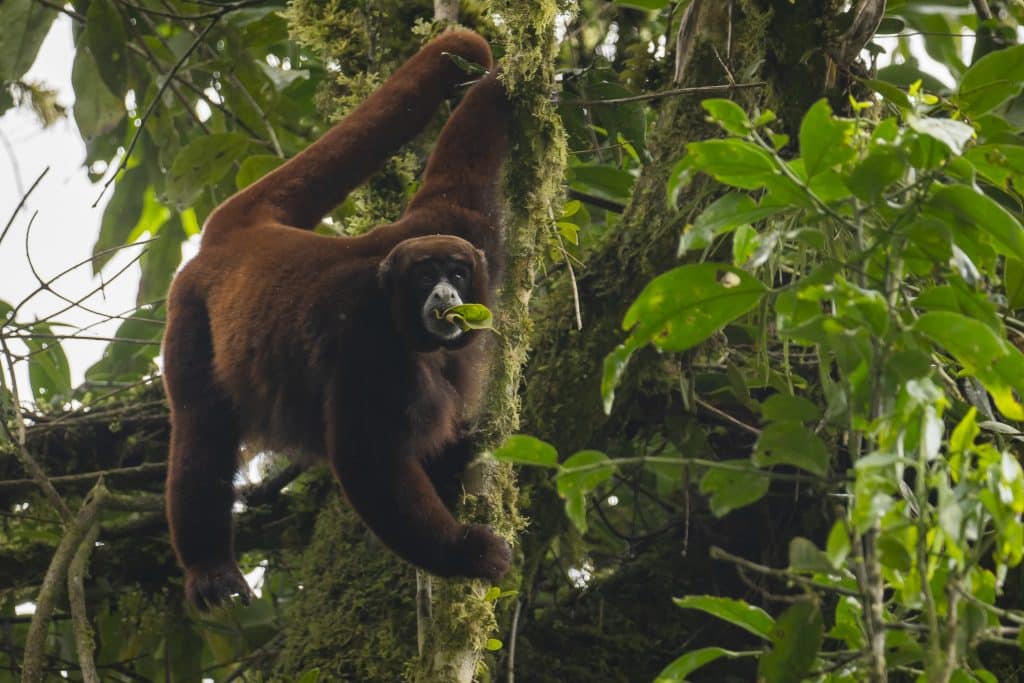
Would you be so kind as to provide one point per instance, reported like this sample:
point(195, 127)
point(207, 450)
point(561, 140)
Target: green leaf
point(974, 344)
point(1001, 163)
point(605, 181)
point(613, 368)
point(737, 612)
point(571, 208)
point(888, 91)
point(120, 215)
point(685, 306)
point(97, 110)
point(974, 209)
point(983, 353)
point(796, 638)
point(582, 472)
point(24, 26)
point(738, 486)
point(804, 556)
point(824, 139)
point(130, 360)
point(838, 545)
point(527, 450)
point(643, 4)
point(734, 162)
point(882, 167)
point(469, 316)
point(678, 670)
point(202, 163)
point(309, 676)
point(471, 68)
point(729, 115)
point(154, 216)
point(790, 443)
point(780, 407)
point(48, 370)
point(254, 168)
point(992, 80)
point(493, 644)
point(1013, 282)
point(894, 554)
point(108, 42)
point(745, 242)
point(724, 214)
point(161, 261)
point(678, 178)
point(953, 134)
point(959, 298)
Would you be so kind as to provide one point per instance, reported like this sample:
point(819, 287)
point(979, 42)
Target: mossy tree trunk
point(356, 616)
point(463, 620)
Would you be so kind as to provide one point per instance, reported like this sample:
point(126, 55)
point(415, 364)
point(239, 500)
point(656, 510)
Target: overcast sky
point(65, 225)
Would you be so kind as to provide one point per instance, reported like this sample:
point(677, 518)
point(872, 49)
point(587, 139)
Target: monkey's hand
point(483, 553)
point(209, 588)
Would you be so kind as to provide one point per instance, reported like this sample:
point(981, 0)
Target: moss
point(354, 618)
point(361, 43)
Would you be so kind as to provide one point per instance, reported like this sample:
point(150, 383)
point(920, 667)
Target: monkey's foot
point(209, 588)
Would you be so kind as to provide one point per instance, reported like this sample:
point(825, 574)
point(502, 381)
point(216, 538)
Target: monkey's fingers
point(209, 589)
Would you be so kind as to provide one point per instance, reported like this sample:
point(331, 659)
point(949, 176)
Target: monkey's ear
point(481, 261)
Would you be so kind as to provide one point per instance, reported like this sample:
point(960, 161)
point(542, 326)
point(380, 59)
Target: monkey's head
point(425, 276)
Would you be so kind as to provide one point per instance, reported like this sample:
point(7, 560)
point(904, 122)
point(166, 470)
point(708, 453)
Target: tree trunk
point(355, 628)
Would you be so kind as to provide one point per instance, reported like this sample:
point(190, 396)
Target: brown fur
point(312, 344)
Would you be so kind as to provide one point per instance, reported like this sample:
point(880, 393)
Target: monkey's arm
point(387, 484)
point(303, 190)
point(465, 167)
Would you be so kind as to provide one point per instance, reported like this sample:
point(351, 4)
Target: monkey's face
point(424, 277)
point(441, 284)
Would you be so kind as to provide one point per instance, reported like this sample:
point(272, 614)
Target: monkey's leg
point(396, 498)
point(203, 460)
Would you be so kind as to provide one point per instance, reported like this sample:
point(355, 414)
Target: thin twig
point(693, 90)
point(216, 14)
point(63, 10)
point(54, 581)
point(27, 461)
point(717, 553)
point(511, 663)
point(424, 604)
point(726, 416)
point(24, 198)
point(983, 10)
point(45, 285)
point(156, 100)
point(77, 570)
point(144, 471)
point(240, 86)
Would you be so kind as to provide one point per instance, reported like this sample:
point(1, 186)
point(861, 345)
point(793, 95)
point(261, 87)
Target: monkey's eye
point(425, 279)
point(459, 275)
